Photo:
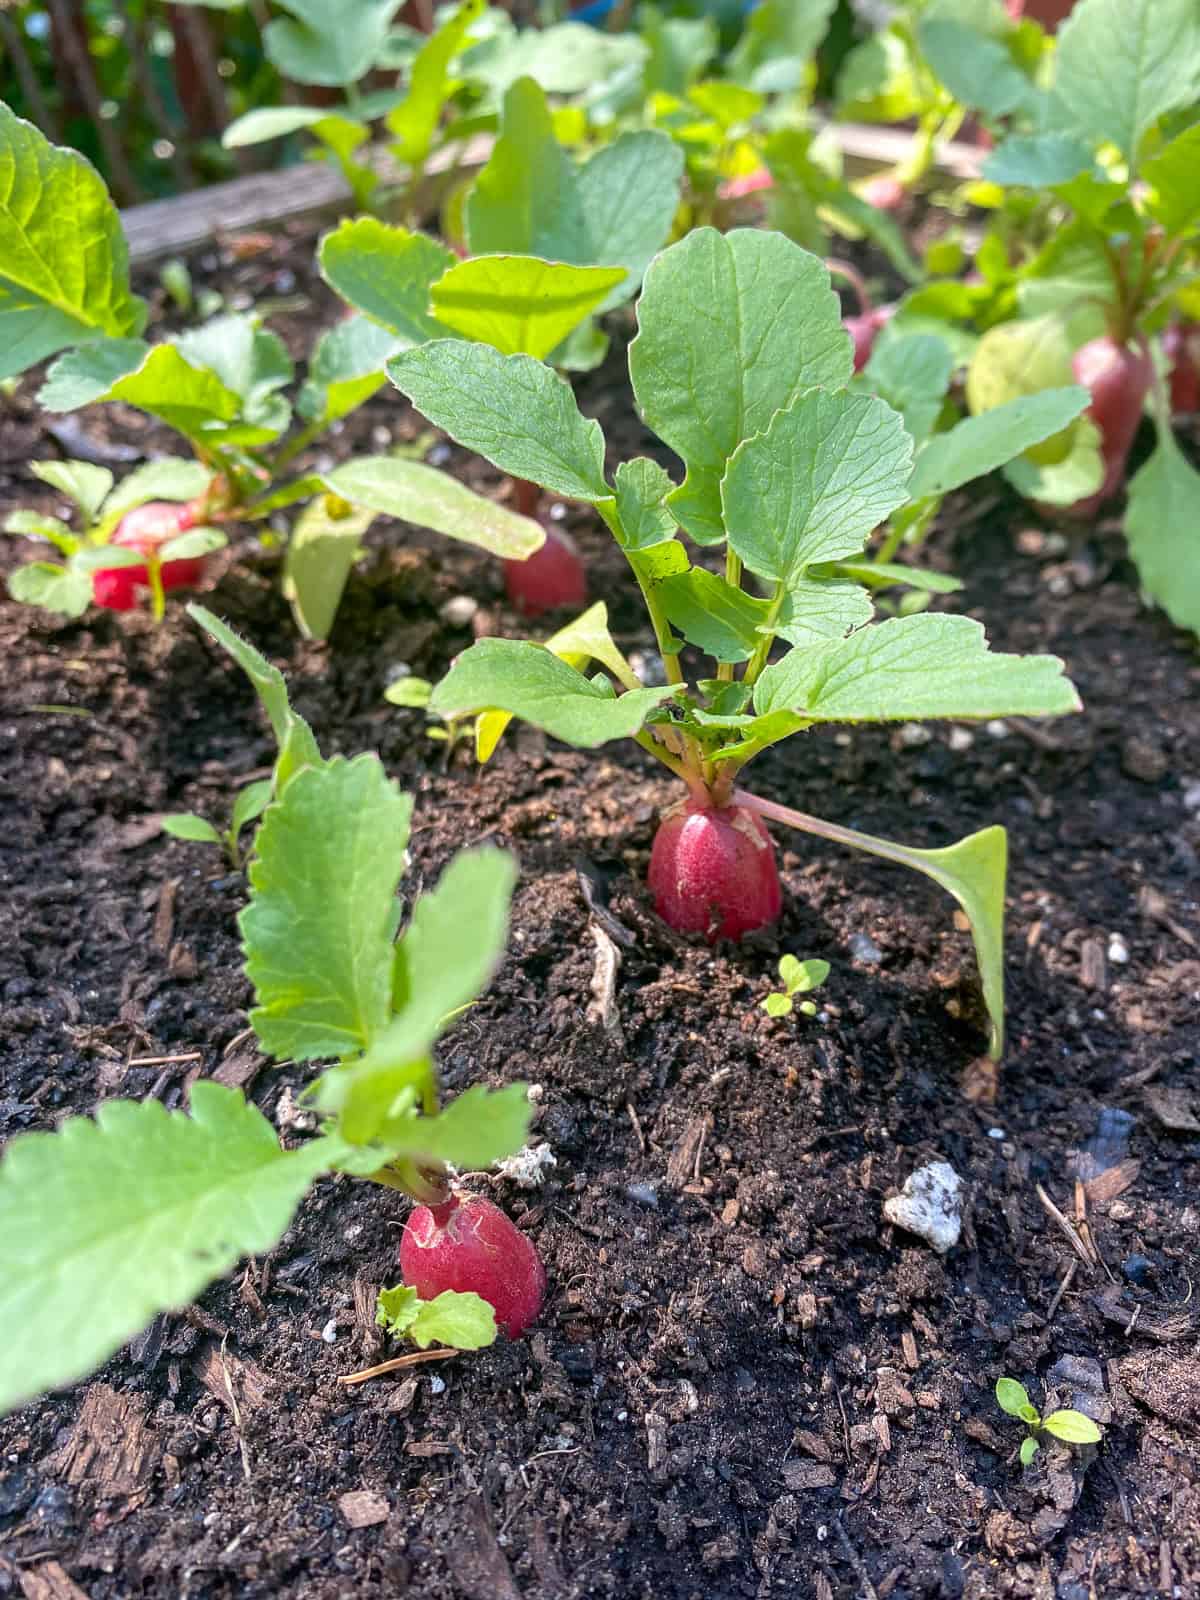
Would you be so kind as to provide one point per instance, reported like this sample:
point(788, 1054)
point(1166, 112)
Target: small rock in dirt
point(644, 1194)
point(808, 1475)
point(930, 1205)
point(460, 610)
point(863, 948)
point(960, 739)
point(1191, 797)
point(1173, 1108)
point(648, 668)
point(1136, 1268)
point(363, 1508)
point(997, 729)
point(891, 1394)
point(1082, 1379)
point(1143, 759)
point(912, 734)
point(1118, 950)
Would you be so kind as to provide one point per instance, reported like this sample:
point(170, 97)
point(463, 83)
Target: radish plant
point(248, 806)
point(221, 386)
point(742, 367)
point(135, 1211)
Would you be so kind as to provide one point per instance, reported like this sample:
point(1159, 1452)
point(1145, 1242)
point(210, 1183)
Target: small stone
point(995, 1133)
point(1143, 759)
point(459, 610)
point(1191, 797)
point(1118, 950)
point(645, 1194)
point(437, 1385)
point(998, 729)
point(1136, 1268)
point(913, 734)
point(558, 512)
point(648, 668)
point(930, 1205)
point(892, 1395)
point(439, 455)
point(808, 1475)
point(754, 1260)
point(960, 739)
point(863, 948)
point(381, 437)
point(363, 1508)
point(397, 671)
point(329, 1331)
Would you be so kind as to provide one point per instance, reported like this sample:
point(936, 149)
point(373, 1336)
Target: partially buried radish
point(146, 529)
point(885, 192)
point(468, 1244)
point(552, 577)
point(1118, 379)
point(713, 872)
point(1181, 346)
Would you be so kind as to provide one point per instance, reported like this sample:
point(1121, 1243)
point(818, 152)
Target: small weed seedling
point(463, 1321)
point(797, 977)
point(248, 806)
point(1072, 1427)
point(343, 973)
point(742, 366)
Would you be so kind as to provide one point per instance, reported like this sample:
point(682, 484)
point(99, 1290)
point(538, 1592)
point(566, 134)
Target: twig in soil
point(1081, 1249)
point(855, 1560)
point(603, 1008)
point(397, 1364)
point(1084, 1228)
point(637, 1127)
point(243, 1448)
point(1068, 1276)
point(163, 1061)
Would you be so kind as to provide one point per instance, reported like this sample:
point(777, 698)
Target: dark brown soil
point(744, 1382)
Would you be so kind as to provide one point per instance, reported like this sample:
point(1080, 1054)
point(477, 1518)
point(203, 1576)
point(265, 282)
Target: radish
point(1181, 346)
point(713, 871)
point(551, 578)
point(1118, 380)
point(1050, 13)
point(146, 529)
point(468, 1244)
point(748, 183)
point(864, 327)
point(885, 192)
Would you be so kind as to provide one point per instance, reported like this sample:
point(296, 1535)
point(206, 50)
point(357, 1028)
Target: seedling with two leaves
point(222, 387)
point(797, 977)
point(135, 1211)
point(1072, 1427)
point(249, 804)
point(742, 367)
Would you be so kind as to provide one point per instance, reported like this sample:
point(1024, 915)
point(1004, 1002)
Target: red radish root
point(468, 1244)
point(552, 578)
point(1118, 379)
point(145, 529)
point(1181, 345)
point(713, 871)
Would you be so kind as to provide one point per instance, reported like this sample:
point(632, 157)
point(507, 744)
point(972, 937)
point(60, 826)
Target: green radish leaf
point(297, 747)
point(982, 443)
point(169, 479)
point(811, 487)
point(195, 402)
point(187, 825)
point(777, 1005)
point(347, 367)
point(320, 554)
point(396, 1310)
point(518, 304)
point(513, 410)
point(1062, 483)
point(318, 929)
point(250, 803)
point(475, 1131)
point(461, 1321)
point(1116, 95)
point(66, 590)
point(1017, 359)
point(530, 682)
point(59, 284)
point(1038, 161)
point(1072, 1427)
point(1029, 1449)
point(777, 44)
point(642, 487)
point(430, 499)
point(1071, 277)
point(911, 373)
point(34, 525)
point(386, 273)
point(270, 122)
point(802, 977)
point(415, 120)
point(1175, 195)
point(106, 558)
point(129, 1215)
point(1161, 518)
point(817, 609)
point(1012, 1397)
point(615, 210)
point(718, 618)
point(709, 367)
point(883, 574)
point(80, 481)
point(332, 47)
point(80, 376)
point(978, 71)
point(195, 542)
point(910, 668)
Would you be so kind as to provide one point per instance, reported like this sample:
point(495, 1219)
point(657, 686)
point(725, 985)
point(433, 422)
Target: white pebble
point(437, 1385)
point(998, 729)
point(912, 734)
point(961, 739)
point(1118, 950)
point(459, 610)
point(329, 1331)
point(930, 1205)
point(1191, 797)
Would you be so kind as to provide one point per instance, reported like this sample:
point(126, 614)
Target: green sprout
point(249, 805)
point(797, 977)
point(1070, 1426)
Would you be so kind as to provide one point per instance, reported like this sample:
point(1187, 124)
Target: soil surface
point(744, 1382)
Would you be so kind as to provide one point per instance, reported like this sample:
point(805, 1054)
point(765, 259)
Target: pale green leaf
point(512, 410)
point(813, 485)
point(1038, 161)
point(1062, 483)
point(66, 590)
point(982, 443)
point(777, 1005)
point(978, 71)
point(64, 266)
point(387, 273)
point(347, 367)
point(530, 682)
point(1029, 1448)
point(1172, 176)
point(321, 552)
point(329, 45)
point(192, 544)
point(1123, 64)
point(1019, 358)
point(779, 39)
point(250, 803)
point(1161, 523)
point(318, 930)
point(642, 487)
point(168, 479)
point(249, 359)
point(474, 1131)
point(1072, 1426)
point(81, 376)
point(712, 614)
point(431, 499)
point(106, 1223)
point(396, 1309)
point(1011, 1396)
point(910, 668)
point(195, 401)
point(912, 373)
point(463, 1321)
point(105, 558)
point(802, 977)
point(816, 609)
point(27, 524)
point(187, 825)
point(884, 574)
point(415, 120)
point(732, 327)
point(270, 122)
point(80, 481)
point(518, 304)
